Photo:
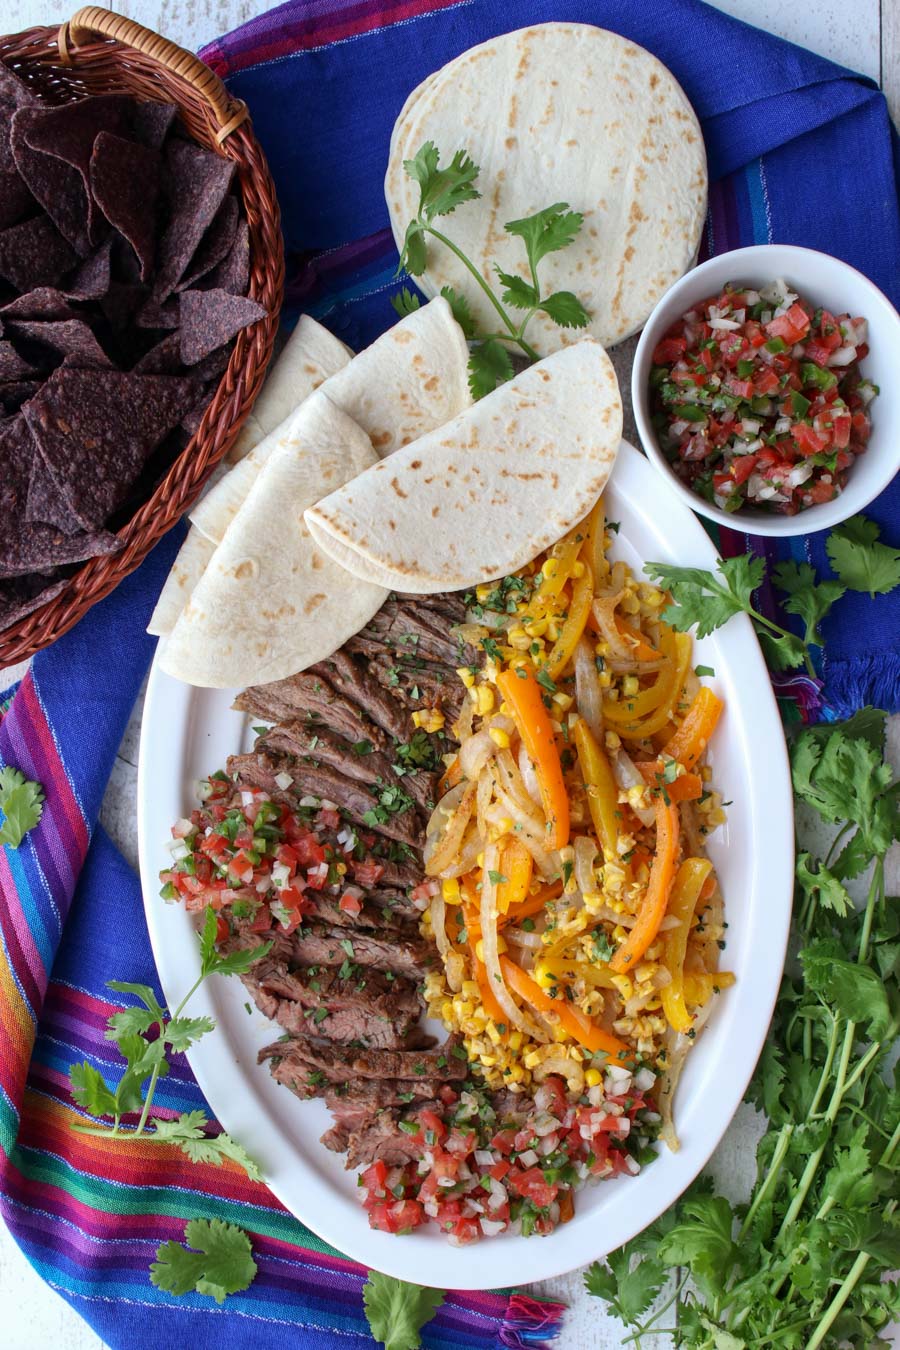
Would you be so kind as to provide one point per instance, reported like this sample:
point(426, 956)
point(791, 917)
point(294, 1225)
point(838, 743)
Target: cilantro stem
point(778, 1156)
point(511, 335)
point(854, 1276)
point(642, 1330)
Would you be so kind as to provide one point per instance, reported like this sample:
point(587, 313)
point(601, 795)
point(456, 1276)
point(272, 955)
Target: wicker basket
point(98, 52)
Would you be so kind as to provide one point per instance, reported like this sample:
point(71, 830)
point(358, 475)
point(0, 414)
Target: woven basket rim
point(225, 128)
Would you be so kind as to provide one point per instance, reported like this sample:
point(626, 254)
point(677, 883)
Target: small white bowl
point(824, 281)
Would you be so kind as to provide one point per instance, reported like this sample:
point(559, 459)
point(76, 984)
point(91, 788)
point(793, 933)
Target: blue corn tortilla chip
point(215, 244)
point(96, 428)
point(233, 273)
point(124, 181)
point(68, 337)
point(152, 122)
point(209, 319)
point(195, 185)
point(15, 199)
point(92, 278)
point(44, 302)
point(21, 596)
point(55, 185)
point(69, 132)
point(34, 253)
point(163, 359)
point(44, 501)
point(12, 365)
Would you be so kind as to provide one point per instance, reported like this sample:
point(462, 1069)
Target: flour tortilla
point(564, 112)
point(411, 380)
point(310, 355)
point(481, 496)
point(270, 602)
point(187, 569)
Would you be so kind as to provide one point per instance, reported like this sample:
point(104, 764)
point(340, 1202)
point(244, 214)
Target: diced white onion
point(528, 1158)
point(304, 801)
point(484, 1157)
point(491, 1227)
point(782, 426)
point(844, 356)
point(588, 694)
point(644, 1080)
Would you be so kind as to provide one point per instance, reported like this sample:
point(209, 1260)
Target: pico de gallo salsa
point(758, 399)
point(476, 1174)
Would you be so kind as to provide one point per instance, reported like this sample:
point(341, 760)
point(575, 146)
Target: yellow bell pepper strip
point(653, 908)
point(602, 789)
point(516, 865)
point(533, 904)
point(695, 732)
point(699, 986)
point(555, 577)
point(679, 646)
point(688, 787)
point(686, 890)
point(563, 649)
point(599, 976)
point(592, 550)
point(522, 693)
point(576, 1023)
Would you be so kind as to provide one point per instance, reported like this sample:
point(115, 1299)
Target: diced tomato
point(531, 1185)
point(743, 466)
point(792, 326)
point(807, 441)
point(374, 1179)
point(241, 866)
point(817, 352)
point(421, 894)
point(829, 332)
point(223, 930)
point(499, 1169)
point(669, 350)
point(214, 844)
point(368, 872)
point(397, 1217)
point(819, 491)
point(262, 920)
point(766, 382)
point(740, 388)
point(328, 819)
point(447, 1095)
point(504, 1141)
point(429, 1121)
point(350, 902)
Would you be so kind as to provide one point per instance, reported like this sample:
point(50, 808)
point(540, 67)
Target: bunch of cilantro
point(441, 191)
point(804, 1263)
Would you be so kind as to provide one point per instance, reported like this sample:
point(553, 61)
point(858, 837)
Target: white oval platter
point(187, 733)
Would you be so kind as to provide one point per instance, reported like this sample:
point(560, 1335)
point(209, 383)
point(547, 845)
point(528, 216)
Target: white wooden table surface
point(864, 34)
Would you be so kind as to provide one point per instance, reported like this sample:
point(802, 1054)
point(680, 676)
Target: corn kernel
point(483, 697)
point(450, 890)
point(488, 1060)
point(630, 685)
point(499, 737)
point(518, 638)
point(550, 567)
point(613, 740)
point(533, 1059)
point(447, 1010)
point(542, 976)
point(493, 1033)
point(483, 591)
point(479, 947)
point(578, 569)
point(630, 604)
point(604, 679)
point(516, 1041)
point(480, 860)
point(466, 676)
point(470, 990)
point(563, 701)
point(593, 1078)
point(537, 628)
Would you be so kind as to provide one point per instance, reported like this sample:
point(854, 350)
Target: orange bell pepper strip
point(686, 890)
point(516, 864)
point(653, 909)
point(450, 777)
point(693, 736)
point(686, 788)
point(602, 789)
point(522, 693)
point(641, 648)
point(532, 904)
point(578, 1025)
point(488, 997)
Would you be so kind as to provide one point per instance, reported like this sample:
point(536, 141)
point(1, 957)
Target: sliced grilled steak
point(309, 741)
point(311, 698)
point(421, 626)
point(350, 678)
point(401, 873)
point(361, 1005)
point(378, 1137)
point(319, 944)
point(345, 1064)
point(368, 1094)
point(393, 917)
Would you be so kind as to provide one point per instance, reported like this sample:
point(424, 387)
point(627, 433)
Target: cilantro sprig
point(22, 805)
point(704, 600)
point(396, 1311)
point(804, 1263)
point(441, 191)
point(146, 1061)
point(222, 1263)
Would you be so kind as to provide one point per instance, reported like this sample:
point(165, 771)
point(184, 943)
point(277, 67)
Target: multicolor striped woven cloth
point(791, 138)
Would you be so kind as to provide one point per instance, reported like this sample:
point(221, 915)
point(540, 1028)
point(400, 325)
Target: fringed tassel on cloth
point(850, 685)
point(530, 1322)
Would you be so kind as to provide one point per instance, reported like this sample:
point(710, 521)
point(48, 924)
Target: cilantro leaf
point(628, 1289)
point(831, 891)
point(141, 991)
point(462, 312)
point(699, 598)
point(22, 804)
point(783, 651)
point(396, 1311)
point(546, 231)
point(413, 255)
point(405, 302)
point(441, 191)
point(221, 1264)
point(846, 780)
point(90, 1091)
point(238, 963)
point(566, 309)
point(703, 1241)
point(188, 1132)
point(182, 1032)
point(516, 291)
point(861, 562)
point(489, 365)
point(855, 989)
point(808, 599)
